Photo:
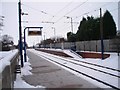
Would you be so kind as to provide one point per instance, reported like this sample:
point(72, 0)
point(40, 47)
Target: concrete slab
point(50, 75)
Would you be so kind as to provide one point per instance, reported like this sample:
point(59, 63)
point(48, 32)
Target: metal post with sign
point(25, 46)
point(30, 33)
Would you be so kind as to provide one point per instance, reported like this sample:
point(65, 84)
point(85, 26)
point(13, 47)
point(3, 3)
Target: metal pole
point(20, 34)
point(44, 40)
point(101, 31)
point(55, 38)
point(25, 45)
point(71, 25)
point(73, 44)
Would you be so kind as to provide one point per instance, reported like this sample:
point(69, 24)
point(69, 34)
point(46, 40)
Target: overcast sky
point(48, 11)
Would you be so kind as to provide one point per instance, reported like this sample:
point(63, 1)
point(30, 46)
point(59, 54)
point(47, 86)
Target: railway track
point(99, 65)
point(85, 65)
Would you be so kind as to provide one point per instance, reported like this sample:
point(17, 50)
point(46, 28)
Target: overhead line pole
point(101, 31)
point(20, 34)
point(71, 25)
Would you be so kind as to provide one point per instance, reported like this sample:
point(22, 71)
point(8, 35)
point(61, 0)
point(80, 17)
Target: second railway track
point(74, 62)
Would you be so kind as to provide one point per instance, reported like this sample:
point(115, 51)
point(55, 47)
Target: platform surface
point(49, 75)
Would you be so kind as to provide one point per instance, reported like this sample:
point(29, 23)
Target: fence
point(111, 45)
point(8, 75)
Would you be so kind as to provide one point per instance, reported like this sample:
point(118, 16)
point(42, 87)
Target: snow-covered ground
point(111, 62)
point(20, 83)
point(5, 53)
point(5, 57)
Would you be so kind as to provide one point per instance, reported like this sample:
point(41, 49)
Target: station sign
point(34, 33)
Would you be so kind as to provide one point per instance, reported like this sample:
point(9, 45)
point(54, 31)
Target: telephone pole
point(101, 32)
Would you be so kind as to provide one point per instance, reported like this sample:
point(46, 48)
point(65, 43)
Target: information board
point(34, 33)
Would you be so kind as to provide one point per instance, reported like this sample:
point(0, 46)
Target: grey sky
point(39, 12)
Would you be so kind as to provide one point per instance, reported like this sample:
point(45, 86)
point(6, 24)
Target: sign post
point(30, 33)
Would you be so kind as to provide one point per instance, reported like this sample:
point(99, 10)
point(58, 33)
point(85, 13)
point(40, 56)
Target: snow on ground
point(5, 53)
point(5, 57)
point(111, 62)
point(20, 83)
point(71, 53)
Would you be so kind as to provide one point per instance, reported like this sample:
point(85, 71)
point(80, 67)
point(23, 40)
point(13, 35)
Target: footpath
point(50, 75)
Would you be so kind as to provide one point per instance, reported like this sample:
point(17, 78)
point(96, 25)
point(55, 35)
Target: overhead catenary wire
point(60, 11)
point(76, 7)
point(52, 16)
point(46, 12)
point(71, 10)
point(95, 11)
point(82, 14)
point(67, 12)
point(41, 11)
point(91, 12)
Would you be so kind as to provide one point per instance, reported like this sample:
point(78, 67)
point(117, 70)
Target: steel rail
point(83, 74)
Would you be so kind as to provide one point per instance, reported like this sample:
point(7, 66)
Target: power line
point(61, 10)
point(71, 10)
point(40, 22)
point(97, 9)
point(43, 12)
point(76, 7)
point(106, 4)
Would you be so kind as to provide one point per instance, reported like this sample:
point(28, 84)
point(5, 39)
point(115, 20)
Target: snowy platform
point(50, 75)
